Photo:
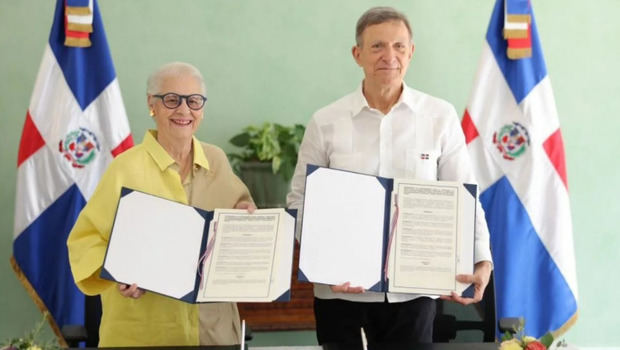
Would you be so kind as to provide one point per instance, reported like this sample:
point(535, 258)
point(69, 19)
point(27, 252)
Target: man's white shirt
point(420, 137)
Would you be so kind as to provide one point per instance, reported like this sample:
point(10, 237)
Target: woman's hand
point(130, 291)
point(249, 206)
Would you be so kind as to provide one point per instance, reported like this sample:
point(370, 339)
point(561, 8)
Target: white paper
point(342, 228)
point(251, 258)
point(426, 237)
point(433, 240)
point(465, 257)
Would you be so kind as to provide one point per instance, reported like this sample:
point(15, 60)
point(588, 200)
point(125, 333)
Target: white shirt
point(350, 135)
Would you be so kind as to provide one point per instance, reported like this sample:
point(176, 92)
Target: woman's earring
point(151, 113)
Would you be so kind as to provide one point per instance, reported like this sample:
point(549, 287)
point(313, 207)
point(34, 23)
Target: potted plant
point(267, 160)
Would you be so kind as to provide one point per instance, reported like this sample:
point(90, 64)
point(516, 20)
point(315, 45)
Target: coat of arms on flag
point(513, 135)
point(512, 140)
point(75, 124)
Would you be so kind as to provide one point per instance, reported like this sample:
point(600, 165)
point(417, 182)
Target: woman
point(171, 163)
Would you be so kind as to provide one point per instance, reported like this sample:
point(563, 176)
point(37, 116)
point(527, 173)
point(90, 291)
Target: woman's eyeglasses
point(172, 100)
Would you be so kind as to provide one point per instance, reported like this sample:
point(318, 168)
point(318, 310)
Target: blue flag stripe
point(526, 277)
point(41, 252)
point(521, 75)
point(87, 70)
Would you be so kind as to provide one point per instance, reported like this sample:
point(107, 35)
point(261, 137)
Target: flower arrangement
point(517, 340)
point(30, 340)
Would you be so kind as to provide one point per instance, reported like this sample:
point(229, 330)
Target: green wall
point(280, 60)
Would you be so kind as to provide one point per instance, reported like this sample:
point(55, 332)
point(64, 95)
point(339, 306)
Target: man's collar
point(407, 97)
point(163, 159)
point(359, 101)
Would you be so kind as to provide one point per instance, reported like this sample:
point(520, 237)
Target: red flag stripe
point(554, 147)
point(123, 146)
point(31, 140)
point(469, 129)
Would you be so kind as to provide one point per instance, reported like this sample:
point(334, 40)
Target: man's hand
point(249, 206)
point(130, 291)
point(480, 279)
point(346, 288)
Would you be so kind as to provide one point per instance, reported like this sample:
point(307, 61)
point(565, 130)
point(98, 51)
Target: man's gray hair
point(153, 84)
point(378, 15)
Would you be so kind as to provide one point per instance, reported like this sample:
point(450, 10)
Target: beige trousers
point(219, 324)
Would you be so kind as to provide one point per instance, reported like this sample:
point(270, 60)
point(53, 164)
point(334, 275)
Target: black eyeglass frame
point(181, 97)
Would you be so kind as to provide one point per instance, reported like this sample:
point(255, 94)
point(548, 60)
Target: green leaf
point(287, 170)
point(547, 339)
point(506, 336)
point(275, 164)
point(280, 129)
point(240, 140)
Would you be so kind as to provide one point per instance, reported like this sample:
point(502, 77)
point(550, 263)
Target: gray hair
point(153, 84)
point(378, 15)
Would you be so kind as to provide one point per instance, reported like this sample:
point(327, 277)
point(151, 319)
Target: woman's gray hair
point(153, 84)
point(378, 15)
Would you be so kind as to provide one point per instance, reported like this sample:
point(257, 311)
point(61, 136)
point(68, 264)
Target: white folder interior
point(342, 208)
point(155, 243)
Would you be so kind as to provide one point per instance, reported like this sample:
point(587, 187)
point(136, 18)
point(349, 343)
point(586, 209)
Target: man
point(388, 129)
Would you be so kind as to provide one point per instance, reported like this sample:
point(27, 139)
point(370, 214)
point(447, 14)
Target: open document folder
point(200, 256)
point(389, 235)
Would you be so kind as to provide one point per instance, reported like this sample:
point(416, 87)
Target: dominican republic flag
point(513, 135)
point(75, 125)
